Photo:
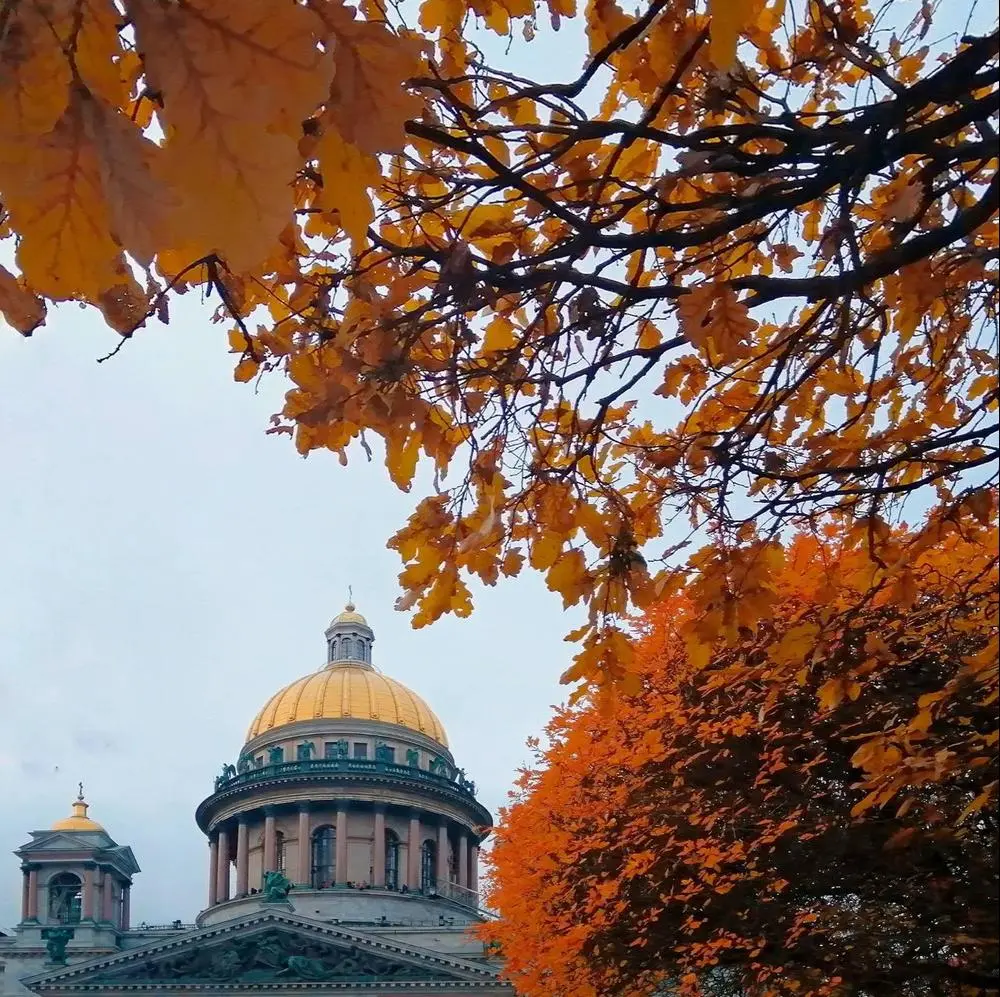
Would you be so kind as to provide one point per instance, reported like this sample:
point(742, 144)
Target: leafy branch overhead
point(739, 271)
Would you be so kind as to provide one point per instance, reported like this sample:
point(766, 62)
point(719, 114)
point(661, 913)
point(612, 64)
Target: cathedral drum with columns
point(343, 857)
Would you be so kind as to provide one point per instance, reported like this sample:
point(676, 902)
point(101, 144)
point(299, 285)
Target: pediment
point(67, 841)
point(271, 951)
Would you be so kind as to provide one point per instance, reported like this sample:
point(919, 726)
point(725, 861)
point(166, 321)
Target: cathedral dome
point(348, 690)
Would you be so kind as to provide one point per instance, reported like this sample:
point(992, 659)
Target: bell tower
point(75, 892)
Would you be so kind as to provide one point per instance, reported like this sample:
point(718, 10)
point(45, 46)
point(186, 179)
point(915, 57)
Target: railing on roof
point(345, 766)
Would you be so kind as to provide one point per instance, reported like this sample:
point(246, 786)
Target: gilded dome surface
point(348, 690)
point(78, 820)
point(348, 616)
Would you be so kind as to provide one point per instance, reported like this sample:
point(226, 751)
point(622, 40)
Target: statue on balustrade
point(413, 758)
point(305, 751)
point(243, 764)
point(340, 749)
point(438, 766)
point(276, 888)
point(383, 753)
point(56, 940)
point(275, 756)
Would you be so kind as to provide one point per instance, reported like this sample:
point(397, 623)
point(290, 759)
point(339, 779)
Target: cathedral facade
point(343, 853)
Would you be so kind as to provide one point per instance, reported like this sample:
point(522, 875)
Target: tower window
point(65, 898)
point(324, 856)
point(428, 867)
point(360, 749)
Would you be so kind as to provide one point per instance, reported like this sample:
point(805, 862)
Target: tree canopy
point(789, 818)
point(738, 271)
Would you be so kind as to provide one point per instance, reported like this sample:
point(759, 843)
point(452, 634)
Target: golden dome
point(78, 820)
point(348, 690)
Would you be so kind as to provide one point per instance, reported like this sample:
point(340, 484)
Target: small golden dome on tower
point(349, 615)
point(78, 820)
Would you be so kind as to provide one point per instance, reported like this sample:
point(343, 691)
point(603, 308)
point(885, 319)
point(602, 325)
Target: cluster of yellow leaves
point(155, 135)
point(846, 746)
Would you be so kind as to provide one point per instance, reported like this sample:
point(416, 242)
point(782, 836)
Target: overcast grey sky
point(165, 567)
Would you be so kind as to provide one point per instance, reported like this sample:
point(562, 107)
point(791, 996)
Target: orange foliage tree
point(788, 818)
point(739, 270)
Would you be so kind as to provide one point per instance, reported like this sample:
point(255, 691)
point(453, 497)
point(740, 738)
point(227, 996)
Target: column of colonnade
point(221, 858)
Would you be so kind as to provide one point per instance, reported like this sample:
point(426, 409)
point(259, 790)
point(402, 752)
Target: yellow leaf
point(401, 453)
point(53, 192)
point(569, 577)
point(699, 652)
point(238, 342)
point(866, 804)
point(978, 803)
point(512, 563)
point(35, 78)
point(141, 204)
point(649, 336)
point(24, 310)
point(443, 15)
point(716, 322)
point(831, 693)
point(246, 369)
point(545, 549)
point(369, 103)
point(729, 18)
point(347, 176)
point(237, 80)
point(124, 304)
point(500, 335)
point(796, 644)
point(982, 384)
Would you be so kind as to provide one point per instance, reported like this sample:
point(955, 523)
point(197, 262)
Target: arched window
point(279, 845)
point(324, 856)
point(391, 860)
point(65, 898)
point(428, 867)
